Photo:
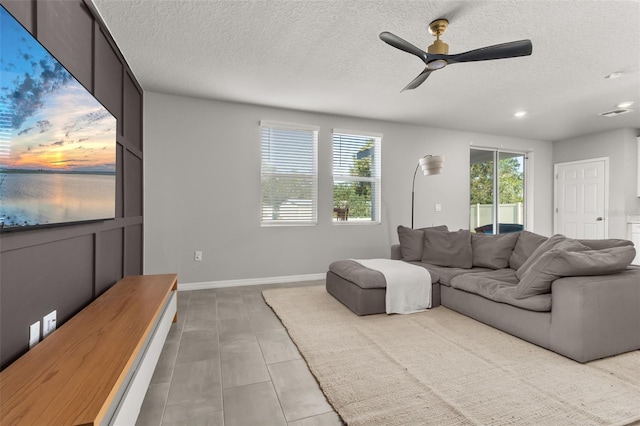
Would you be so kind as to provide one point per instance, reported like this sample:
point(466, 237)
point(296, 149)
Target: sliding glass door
point(497, 191)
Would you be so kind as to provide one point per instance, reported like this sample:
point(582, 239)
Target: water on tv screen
point(57, 142)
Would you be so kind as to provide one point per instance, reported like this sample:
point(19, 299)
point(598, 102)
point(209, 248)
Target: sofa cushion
point(605, 244)
point(362, 276)
point(562, 262)
point(500, 288)
point(558, 241)
point(591, 262)
point(412, 241)
point(445, 273)
point(525, 246)
point(492, 251)
point(448, 248)
point(352, 271)
point(534, 278)
point(507, 275)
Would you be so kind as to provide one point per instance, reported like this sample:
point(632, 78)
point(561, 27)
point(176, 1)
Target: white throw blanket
point(408, 286)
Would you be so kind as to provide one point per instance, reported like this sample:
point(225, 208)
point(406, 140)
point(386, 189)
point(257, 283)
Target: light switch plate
point(34, 334)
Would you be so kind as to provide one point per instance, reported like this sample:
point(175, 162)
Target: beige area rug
point(442, 368)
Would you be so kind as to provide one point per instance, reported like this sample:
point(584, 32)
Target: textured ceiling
point(325, 56)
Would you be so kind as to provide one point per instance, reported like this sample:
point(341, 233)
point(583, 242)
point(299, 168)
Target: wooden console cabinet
point(95, 368)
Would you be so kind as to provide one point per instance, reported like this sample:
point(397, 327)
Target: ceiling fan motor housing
point(438, 47)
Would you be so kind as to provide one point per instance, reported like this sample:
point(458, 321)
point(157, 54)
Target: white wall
point(202, 190)
point(621, 147)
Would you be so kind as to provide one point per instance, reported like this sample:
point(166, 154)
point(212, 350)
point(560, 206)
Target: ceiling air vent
point(615, 112)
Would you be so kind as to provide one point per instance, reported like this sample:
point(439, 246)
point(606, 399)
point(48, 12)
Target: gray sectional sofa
point(579, 298)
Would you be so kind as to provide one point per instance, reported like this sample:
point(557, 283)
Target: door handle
point(599, 218)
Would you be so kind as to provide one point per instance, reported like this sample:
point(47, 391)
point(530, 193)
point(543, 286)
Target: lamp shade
point(432, 164)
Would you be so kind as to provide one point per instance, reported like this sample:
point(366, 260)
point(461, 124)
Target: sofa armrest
point(396, 254)
point(596, 316)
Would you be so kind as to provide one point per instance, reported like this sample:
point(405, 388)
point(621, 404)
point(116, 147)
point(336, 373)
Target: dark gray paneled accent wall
point(110, 249)
point(108, 73)
point(132, 113)
point(132, 249)
point(65, 268)
point(66, 30)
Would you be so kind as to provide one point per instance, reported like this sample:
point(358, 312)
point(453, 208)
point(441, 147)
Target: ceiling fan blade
point(418, 80)
point(498, 51)
point(402, 44)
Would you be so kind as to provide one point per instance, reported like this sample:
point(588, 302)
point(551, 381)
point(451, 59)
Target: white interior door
point(581, 197)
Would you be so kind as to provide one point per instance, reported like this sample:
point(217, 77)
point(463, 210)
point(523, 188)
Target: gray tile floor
point(229, 361)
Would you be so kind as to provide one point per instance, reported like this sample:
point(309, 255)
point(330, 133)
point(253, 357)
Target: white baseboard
point(250, 281)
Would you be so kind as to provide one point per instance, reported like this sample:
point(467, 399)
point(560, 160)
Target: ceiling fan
point(437, 55)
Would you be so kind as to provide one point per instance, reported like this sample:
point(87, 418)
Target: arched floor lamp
point(431, 165)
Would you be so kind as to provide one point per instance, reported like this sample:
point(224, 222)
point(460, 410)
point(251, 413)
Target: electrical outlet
point(49, 323)
point(438, 207)
point(198, 256)
point(34, 334)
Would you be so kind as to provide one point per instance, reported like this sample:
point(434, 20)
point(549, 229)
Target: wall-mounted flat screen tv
point(57, 142)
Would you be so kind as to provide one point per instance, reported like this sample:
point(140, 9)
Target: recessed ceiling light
point(625, 104)
point(520, 114)
point(613, 75)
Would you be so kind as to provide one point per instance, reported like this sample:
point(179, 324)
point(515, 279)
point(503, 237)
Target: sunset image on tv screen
point(57, 142)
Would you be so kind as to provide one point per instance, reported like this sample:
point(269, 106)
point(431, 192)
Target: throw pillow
point(411, 241)
point(451, 249)
point(565, 263)
point(527, 243)
point(492, 251)
point(556, 241)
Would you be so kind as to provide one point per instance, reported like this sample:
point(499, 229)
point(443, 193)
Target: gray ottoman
point(362, 289)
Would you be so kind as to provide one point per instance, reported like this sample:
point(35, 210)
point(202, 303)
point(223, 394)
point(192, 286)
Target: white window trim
point(288, 126)
point(358, 133)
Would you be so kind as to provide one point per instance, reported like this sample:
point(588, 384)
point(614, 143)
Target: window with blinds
point(289, 174)
point(356, 177)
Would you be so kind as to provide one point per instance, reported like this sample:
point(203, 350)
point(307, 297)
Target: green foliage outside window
point(511, 178)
